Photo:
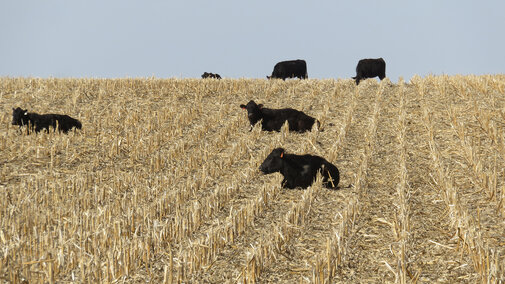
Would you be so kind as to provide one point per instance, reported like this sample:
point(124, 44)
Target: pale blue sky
point(239, 39)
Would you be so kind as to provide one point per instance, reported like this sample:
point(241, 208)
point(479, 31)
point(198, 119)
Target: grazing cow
point(210, 75)
point(43, 121)
point(290, 69)
point(300, 170)
point(273, 119)
point(369, 68)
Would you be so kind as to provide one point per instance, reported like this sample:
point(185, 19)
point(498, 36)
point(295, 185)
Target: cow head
point(19, 116)
point(273, 162)
point(253, 111)
point(205, 75)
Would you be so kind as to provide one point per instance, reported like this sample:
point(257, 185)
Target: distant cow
point(300, 170)
point(210, 75)
point(369, 68)
point(43, 121)
point(290, 69)
point(273, 119)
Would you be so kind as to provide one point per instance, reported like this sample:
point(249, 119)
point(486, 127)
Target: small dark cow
point(369, 68)
point(300, 170)
point(43, 121)
point(273, 119)
point(210, 75)
point(290, 69)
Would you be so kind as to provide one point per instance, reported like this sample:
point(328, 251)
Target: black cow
point(273, 119)
point(43, 121)
point(300, 170)
point(210, 75)
point(290, 69)
point(369, 68)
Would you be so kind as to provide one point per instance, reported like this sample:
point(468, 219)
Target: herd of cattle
point(366, 68)
point(298, 170)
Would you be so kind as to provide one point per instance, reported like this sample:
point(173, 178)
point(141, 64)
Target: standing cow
point(273, 119)
point(290, 69)
point(43, 121)
point(369, 68)
point(300, 170)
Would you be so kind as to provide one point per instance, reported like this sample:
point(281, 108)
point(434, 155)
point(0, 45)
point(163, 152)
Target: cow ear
point(242, 107)
point(260, 106)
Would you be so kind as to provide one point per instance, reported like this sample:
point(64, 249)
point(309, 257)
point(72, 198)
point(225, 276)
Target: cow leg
point(286, 184)
point(292, 125)
point(358, 77)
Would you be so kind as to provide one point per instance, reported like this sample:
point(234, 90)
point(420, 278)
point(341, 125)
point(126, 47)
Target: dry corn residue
point(162, 182)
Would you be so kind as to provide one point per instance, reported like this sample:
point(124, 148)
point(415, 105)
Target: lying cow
point(273, 119)
point(290, 69)
point(300, 170)
point(369, 68)
point(44, 121)
point(210, 75)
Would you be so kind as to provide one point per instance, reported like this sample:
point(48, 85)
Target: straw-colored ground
point(162, 183)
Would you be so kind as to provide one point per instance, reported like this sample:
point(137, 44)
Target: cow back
point(274, 119)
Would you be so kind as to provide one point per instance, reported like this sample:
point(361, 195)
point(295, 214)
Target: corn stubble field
point(162, 183)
